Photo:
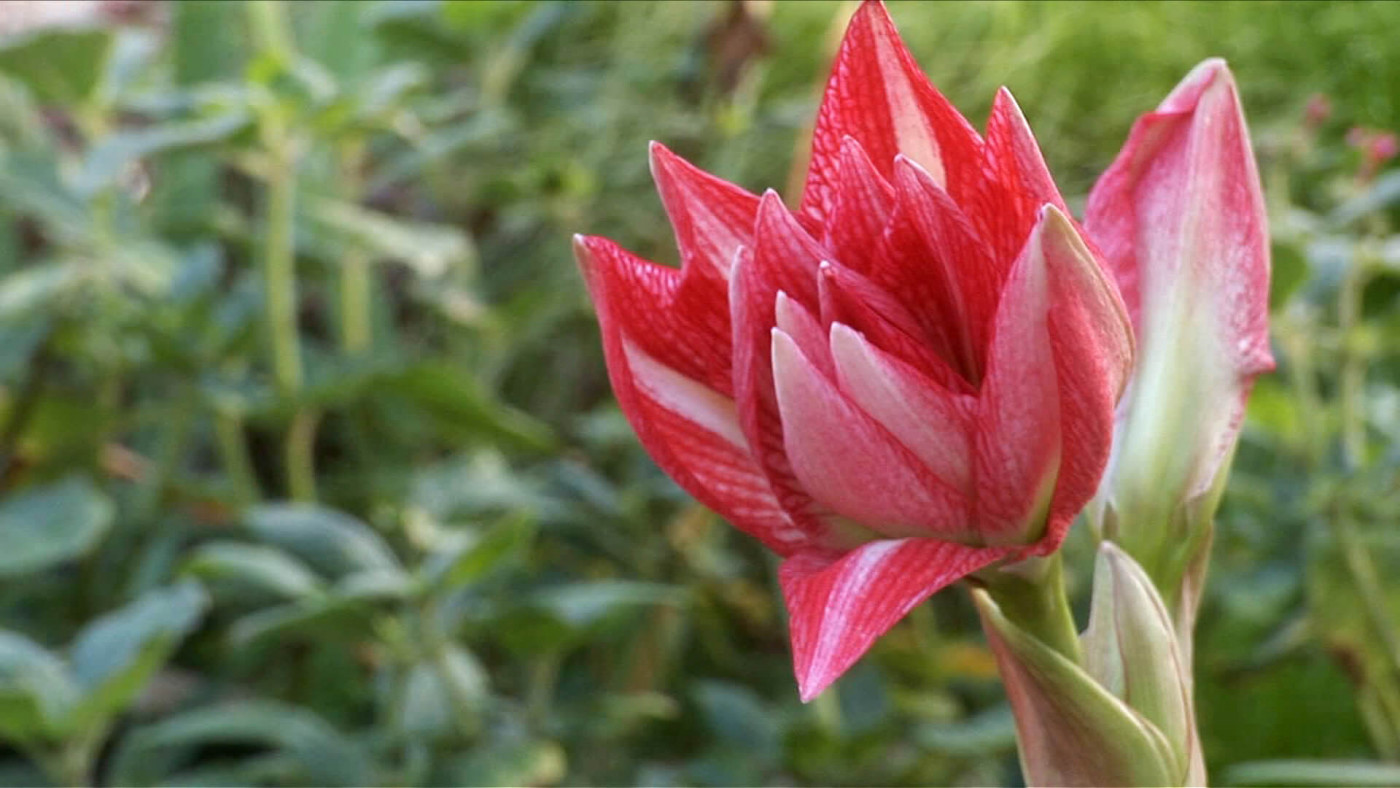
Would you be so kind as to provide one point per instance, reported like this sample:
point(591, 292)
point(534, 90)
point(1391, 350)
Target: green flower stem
point(355, 281)
point(1031, 595)
point(272, 33)
point(233, 453)
point(279, 268)
point(300, 455)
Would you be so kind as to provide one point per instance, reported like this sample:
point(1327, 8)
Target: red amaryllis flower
point(907, 379)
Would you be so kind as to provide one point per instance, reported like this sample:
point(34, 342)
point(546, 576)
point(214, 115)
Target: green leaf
point(45, 526)
point(587, 604)
point(1318, 773)
point(59, 66)
point(460, 403)
point(343, 613)
point(106, 161)
point(471, 556)
point(1071, 730)
point(1130, 648)
point(265, 569)
point(36, 692)
point(534, 762)
point(444, 696)
point(324, 755)
point(114, 656)
point(331, 542)
point(38, 288)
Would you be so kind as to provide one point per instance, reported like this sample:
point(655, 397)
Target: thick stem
point(279, 269)
point(1031, 594)
point(300, 455)
point(233, 452)
point(356, 285)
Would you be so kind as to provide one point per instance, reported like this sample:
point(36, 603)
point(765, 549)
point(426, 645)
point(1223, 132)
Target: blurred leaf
point(443, 696)
point(431, 250)
point(36, 692)
point(107, 160)
point(517, 763)
point(344, 612)
point(473, 555)
point(738, 717)
point(18, 343)
point(1301, 772)
point(459, 402)
point(114, 656)
point(1381, 194)
point(264, 569)
point(44, 526)
point(586, 604)
point(982, 735)
point(58, 65)
point(332, 542)
point(30, 185)
point(324, 755)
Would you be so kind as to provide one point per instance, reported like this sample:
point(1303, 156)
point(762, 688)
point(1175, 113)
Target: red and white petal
point(878, 95)
point(1092, 341)
point(849, 463)
point(795, 321)
point(849, 298)
point(1017, 440)
point(1018, 181)
point(961, 273)
point(711, 217)
point(838, 608)
point(782, 261)
point(678, 317)
point(930, 420)
point(861, 207)
point(1180, 217)
point(689, 429)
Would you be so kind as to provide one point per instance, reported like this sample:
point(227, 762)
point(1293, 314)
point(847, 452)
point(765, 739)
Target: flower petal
point(837, 608)
point(784, 259)
point(1018, 181)
point(806, 331)
point(1017, 436)
point(848, 462)
point(690, 429)
point(711, 217)
point(849, 298)
point(1092, 342)
point(878, 95)
point(930, 420)
point(861, 206)
point(960, 273)
point(1180, 217)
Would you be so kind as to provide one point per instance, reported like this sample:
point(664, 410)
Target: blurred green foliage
point(309, 470)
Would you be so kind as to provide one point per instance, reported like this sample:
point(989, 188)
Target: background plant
point(309, 472)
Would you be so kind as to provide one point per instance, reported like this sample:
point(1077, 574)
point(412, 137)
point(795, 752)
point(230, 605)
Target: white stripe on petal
point(689, 398)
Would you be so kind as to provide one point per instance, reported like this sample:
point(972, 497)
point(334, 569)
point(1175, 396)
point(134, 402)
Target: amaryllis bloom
point(908, 378)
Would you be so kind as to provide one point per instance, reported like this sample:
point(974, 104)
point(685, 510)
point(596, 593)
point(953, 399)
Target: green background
point(309, 469)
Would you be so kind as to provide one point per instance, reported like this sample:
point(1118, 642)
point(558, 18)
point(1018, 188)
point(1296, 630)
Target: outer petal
point(712, 217)
point(691, 430)
point(851, 464)
point(784, 259)
point(1180, 217)
point(1018, 182)
point(1092, 341)
point(837, 608)
point(1017, 445)
point(878, 96)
